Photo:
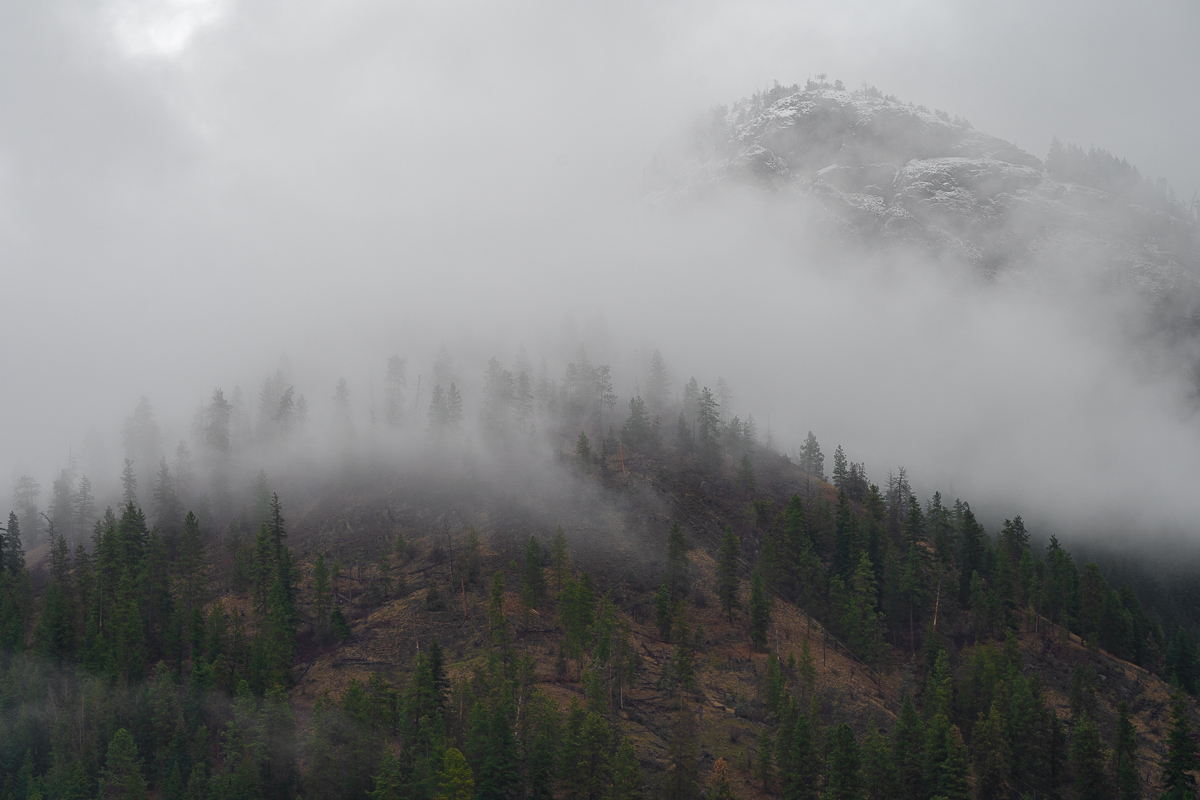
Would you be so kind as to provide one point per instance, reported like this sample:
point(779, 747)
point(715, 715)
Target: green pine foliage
point(1181, 761)
point(158, 676)
point(760, 611)
point(728, 582)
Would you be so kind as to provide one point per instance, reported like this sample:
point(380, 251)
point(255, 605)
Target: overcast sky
point(189, 188)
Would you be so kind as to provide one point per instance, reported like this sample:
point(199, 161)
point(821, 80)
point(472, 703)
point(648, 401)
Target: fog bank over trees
point(191, 205)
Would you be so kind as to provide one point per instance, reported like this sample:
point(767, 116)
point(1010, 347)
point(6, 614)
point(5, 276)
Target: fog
point(192, 191)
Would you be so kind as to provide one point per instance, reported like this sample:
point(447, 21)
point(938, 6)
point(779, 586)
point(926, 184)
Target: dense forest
point(849, 638)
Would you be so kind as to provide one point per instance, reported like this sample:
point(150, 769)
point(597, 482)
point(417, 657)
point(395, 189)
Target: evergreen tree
point(844, 776)
point(438, 414)
point(1088, 760)
point(844, 540)
point(1182, 664)
point(190, 565)
point(264, 568)
point(802, 774)
point(456, 781)
point(760, 611)
point(586, 764)
point(166, 501)
point(499, 776)
point(583, 450)
point(84, 505)
point(128, 484)
point(878, 768)
point(764, 761)
point(1125, 756)
point(859, 618)
point(637, 430)
point(908, 743)
point(1181, 761)
point(728, 583)
point(390, 782)
point(952, 777)
point(775, 688)
point(992, 755)
point(708, 428)
point(122, 770)
point(812, 460)
point(454, 407)
point(840, 473)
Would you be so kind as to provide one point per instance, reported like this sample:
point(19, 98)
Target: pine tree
point(264, 568)
point(760, 611)
point(499, 776)
point(454, 407)
point(775, 688)
point(840, 473)
point(637, 430)
point(812, 460)
point(1178, 781)
point(438, 414)
point(802, 775)
point(389, 781)
point(456, 781)
point(764, 761)
point(952, 778)
point(585, 765)
point(129, 484)
point(190, 564)
point(859, 618)
point(844, 777)
point(728, 583)
point(122, 770)
point(908, 743)
point(1088, 760)
point(1182, 663)
point(992, 755)
point(583, 450)
point(878, 767)
point(708, 428)
point(1125, 756)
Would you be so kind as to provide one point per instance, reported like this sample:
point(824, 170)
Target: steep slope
point(630, 519)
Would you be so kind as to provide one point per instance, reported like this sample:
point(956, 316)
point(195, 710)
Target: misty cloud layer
point(186, 195)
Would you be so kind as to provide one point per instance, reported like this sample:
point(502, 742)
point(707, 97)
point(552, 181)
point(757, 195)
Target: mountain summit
point(881, 172)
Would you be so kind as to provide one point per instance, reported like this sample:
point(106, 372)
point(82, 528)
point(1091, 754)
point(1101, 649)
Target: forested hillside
point(662, 606)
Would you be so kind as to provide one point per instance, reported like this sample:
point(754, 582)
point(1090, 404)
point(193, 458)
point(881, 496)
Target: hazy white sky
point(190, 187)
